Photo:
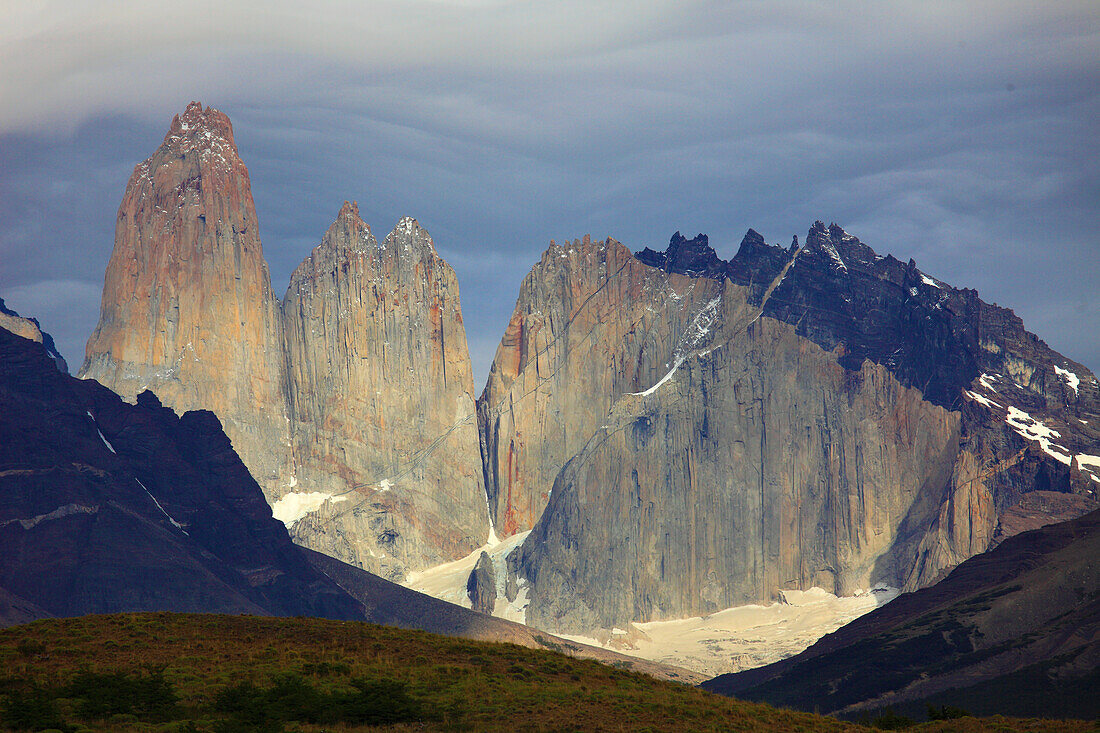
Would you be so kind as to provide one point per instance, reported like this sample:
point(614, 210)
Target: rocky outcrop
point(351, 402)
point(29, 328)
point(481, 587)
point(382, 411)
point(789, 441)
point(188, 311)
point(591, 322)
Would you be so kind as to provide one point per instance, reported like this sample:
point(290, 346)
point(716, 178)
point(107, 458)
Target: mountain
point(30, 328)
point(351, 401)
point(188, 311)
point(382, 411)
point(107, 507)
point(772, 430)
point(678, 433)
point(1013, 631)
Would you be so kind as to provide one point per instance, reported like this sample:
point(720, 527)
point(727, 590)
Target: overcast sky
point(964, 135)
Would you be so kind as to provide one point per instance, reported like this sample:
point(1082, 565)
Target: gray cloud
point(962, 136)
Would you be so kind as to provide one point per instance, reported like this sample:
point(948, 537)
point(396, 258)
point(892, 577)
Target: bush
point(946, 712)
point(99, 696)
point(31, 709)
point(890, 720)
point(293, 698)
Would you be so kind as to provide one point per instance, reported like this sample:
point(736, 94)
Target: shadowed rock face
point(381, 401)
point(188, 311)
point(109, 506)
point(351, 403)
point(766, 456)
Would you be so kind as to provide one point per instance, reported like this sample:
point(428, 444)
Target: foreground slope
point(234, 673)
point(1015, 630)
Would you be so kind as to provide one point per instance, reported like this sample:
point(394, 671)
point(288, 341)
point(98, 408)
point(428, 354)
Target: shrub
point(946, 712)
point(99, 696)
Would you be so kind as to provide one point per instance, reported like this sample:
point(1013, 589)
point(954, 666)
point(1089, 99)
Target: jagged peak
point(199, 122)
point(349, 212)
point(348, 222)
point(410, 235)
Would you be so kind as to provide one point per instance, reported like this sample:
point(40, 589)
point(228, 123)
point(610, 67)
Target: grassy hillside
point(183, 672)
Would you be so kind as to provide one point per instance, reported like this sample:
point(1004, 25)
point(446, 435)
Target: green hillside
point(184, 672)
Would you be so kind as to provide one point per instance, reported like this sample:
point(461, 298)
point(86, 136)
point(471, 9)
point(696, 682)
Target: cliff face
point(381, 401)
point(590, 323)
point(767, 456)
point(188, 311)
point(759, 464)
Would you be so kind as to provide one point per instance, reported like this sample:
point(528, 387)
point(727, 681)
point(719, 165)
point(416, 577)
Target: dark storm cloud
point(962, 135)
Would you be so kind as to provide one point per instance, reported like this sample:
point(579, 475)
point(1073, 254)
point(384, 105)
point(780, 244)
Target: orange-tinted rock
point(188, 311)
point(381, 400)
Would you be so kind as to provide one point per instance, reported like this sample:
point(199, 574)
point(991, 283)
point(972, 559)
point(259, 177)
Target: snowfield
point(727, 641)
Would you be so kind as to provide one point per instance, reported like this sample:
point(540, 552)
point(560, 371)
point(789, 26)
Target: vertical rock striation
point(359, 422)
point(590, 323)
point(188, 311)
point(790, 442)
point(381, 400)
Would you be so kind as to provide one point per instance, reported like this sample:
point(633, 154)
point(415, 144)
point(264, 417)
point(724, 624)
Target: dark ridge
point(1022, 617)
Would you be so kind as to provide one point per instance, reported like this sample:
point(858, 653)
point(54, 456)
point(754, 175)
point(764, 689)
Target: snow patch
point(748, 636)
point(105, 441)
point(980, 399)
point(1072, 380)
point(1018, 420)
point(447, 582)
point(1087, 461)
point(833, 254)
point(927, 280)
point(295, 505)
point(986, 380)
point(175, 524)
point(696, 332)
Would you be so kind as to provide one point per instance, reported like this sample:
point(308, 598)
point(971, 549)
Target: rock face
point(351, 402)
point(759, 464)
point(591, 322)
point(482, 585)
point(1014, 631)
point(188, 311)
point(381, 401)
point(766, 456)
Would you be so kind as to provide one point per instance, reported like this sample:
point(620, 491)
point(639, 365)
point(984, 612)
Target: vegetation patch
point(186, 673)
